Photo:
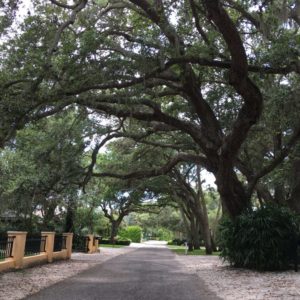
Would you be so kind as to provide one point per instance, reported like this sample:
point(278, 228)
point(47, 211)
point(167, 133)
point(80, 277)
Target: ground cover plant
point(263, 239)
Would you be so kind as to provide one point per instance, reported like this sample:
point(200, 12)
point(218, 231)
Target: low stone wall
point(19, 260)
point(29, 261)
point(7, 264)
point(60, 254)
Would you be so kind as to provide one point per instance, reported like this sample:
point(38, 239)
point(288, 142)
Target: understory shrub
point(264, 239)
point(124, 242)
point(176, 242)
point(134, 233)
point(164, 234)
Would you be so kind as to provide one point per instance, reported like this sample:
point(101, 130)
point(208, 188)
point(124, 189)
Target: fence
point(87, 244)
point(81, 243)
point(59, 243)
point(35, 245)
point(17, 251)
point(6, 245)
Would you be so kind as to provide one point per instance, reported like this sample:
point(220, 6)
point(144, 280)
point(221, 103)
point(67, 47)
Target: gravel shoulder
point(19, 284)
point(232, 284)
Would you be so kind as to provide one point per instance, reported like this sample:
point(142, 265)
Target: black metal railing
point(34, 245)
point(80, 243)
point(60, 242)
point(6, 246)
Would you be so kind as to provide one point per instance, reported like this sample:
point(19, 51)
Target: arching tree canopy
point(212, 80)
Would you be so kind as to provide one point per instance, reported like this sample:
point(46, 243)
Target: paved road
point(144, 274)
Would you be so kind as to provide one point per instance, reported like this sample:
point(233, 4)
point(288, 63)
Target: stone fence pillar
point(18, 249)
point(69, 243)
point(49, 244)
point(91, 243)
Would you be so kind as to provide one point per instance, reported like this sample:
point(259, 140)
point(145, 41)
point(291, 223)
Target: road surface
point(148, 273)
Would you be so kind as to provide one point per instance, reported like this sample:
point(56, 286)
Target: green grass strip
point(180, 250)
point(111, 246)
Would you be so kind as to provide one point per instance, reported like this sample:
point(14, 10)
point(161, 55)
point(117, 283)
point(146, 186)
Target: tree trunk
point(203, 215)
point(232, 192)
point(213, 243)
point(197, 235)
point(207, 237)
point(185, 222)
point(69, 225)
point(202, 220)
point(49, 216)
point(264, 193)
point(114, 230)
point(192, 234)
point(294, 201)
point(91, 220)
point(216, 221)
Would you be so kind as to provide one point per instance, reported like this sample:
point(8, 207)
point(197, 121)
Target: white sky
point(209, 179)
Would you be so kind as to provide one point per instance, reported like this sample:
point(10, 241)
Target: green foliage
point(134, 233)
point(262, 239)
point(88, 220)
point(121, 242)
point(164, 234)
point(40, 169)
point(176, 242)
point(163, 225)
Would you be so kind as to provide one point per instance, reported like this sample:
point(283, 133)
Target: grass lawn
point(181, 251)
point(111, 246)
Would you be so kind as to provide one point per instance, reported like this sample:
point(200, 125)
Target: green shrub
point(134, 233)
point(263, 239)
point(176, 242)
point(164, 234)
point(124, 242)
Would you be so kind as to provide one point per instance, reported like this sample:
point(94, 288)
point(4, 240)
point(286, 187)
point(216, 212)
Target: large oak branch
point(197, 159)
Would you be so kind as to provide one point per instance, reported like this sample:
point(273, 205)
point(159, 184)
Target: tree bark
point(69, 225)
point(202, 218)
point(232, 192)
point(49, 216)
point(114, 230)
point(294, 201)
